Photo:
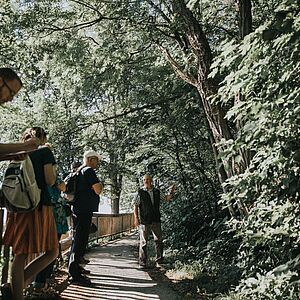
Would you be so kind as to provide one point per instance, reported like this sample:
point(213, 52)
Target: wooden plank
point(108, 226)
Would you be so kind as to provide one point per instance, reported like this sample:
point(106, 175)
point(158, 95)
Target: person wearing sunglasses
point(10, 84)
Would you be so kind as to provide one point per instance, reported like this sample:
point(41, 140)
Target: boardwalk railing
point(108, 226)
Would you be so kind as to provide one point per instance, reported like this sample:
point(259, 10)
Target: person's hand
point(61, 186)
point(171, 193)
point(32, 143)
point(20, 157)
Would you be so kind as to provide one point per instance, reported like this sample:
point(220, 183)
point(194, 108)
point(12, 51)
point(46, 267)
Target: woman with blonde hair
point(35, 231)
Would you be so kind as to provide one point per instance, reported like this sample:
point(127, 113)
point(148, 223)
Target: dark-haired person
point(147, 214)
point(35, 231)
point(10, 84)
point(41, 284)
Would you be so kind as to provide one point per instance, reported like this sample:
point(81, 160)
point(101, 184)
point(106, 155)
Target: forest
point(200, 93)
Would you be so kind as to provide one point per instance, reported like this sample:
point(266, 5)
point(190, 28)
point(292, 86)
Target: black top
point(149, 212)
point(86, 200)
point(39, 158)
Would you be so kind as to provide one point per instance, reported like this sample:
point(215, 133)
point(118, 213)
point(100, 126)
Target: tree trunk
point(191, 33)
point(245, 18)
point(115, 193)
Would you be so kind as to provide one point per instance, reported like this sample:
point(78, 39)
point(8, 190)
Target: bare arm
point(62, 187)
point(30, 144)
point(50, 174)
point(98, 188)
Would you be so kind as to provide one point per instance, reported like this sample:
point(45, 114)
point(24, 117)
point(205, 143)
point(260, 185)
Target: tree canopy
point(200, 93)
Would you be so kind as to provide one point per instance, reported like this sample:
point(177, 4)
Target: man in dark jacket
point(86, 201)
point(147, 217)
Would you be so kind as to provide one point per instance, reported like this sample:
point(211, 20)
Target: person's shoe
point(84, 261)
point(6, 291)
point(161, 264)
point(84, 271)
point(142, 265)
point(82, 281)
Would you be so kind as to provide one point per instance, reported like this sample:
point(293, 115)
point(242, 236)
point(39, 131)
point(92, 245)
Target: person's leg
point(144, 235)
point(73, 265)
point(84, 225)
point(38, 264)
point(41, 277)
point(157, 235)
point(79, 243)
point(17, 276)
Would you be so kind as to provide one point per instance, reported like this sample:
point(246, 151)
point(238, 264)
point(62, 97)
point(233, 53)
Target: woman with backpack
point(34, 231)
point(41, 283)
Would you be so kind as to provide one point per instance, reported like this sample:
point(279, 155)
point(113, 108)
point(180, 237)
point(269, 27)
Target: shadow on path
point(115, 274)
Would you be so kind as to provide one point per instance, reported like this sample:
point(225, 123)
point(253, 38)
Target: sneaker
point(82, 281)
point(161, 265)
point(160, 260)
point(6, 291)
point(142, 265)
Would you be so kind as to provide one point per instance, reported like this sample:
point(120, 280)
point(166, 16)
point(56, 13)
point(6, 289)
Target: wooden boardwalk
point(116, 275)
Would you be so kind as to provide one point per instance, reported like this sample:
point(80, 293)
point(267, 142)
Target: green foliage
point(88, 71)
point(94, 78)
point(273, 285)
point(264, 69)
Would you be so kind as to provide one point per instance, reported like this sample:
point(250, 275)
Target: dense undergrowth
point(256, 256)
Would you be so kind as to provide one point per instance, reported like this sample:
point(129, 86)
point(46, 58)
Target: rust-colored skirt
point(32, 232)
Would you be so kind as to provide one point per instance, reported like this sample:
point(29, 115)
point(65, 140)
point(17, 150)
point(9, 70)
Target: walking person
point(147, 217)
point(86, 201)
point(35, 231)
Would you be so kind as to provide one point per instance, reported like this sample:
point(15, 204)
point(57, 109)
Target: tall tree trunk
point(215, 114)
point(245, 18)
point(191, 35)
point(116, 184)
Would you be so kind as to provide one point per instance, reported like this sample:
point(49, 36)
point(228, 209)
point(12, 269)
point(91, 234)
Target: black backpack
point(71, 181)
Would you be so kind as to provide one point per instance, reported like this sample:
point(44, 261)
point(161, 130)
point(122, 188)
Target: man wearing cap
point(86, 201)
point(10, 84)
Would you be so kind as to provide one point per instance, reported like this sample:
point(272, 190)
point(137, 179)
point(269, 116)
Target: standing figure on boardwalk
point(147, 217)
point(86, 201)
point(35, 231)
point(10, 84)
point(41, 283)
